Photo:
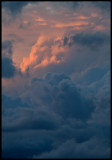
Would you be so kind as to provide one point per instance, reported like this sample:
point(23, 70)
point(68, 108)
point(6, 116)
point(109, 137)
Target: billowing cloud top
point(55, 80)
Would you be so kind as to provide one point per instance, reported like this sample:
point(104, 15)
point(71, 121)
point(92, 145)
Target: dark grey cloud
point(105, 5)
point(25, 144)
point(59, 93)
point(71, 149)
point(65, 40)
point(68, 102)
point(9, 102)
point(14, 7)
point(93, 75)
point(35, 79)
point(31, 119)
point(93, 41)
point(59, 98)
point(82, 136)
point(7, 47)
point(55, 78)
point(60, 123)
point(69, 4)
point(8, 68)
point(75, 4)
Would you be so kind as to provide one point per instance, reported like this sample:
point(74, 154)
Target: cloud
point(7, 47)
point(60, 106)
point(14, 7)
point(93, 75)
point(71, 149)
point(8, 68)
point(63, 53)
point(46, 51)
point(33, 120)
point(24, 143)
point(9, 102)
point(53, 119)
point(91, 40)
point(58, 99)
point(67, 100)
point(73, 24)
point(102, 5)
point(55, 78)
point(58, 92)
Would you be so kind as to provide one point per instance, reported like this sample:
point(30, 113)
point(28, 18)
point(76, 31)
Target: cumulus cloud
point(64, 52)
point(51, 115)
point(66, 98)
point(60, 105)
point(69, 103)
point(46, 51)
point(59, 98)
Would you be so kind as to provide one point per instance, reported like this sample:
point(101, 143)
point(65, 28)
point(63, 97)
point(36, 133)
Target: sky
point(55, 79)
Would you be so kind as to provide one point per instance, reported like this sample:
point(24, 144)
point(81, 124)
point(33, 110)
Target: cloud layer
point(55, 109)
point(55, 80)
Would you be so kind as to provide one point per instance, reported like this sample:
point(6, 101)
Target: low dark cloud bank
point(54, 120)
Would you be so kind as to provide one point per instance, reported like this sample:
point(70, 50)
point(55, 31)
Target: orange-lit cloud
point(48, 20)
point(100, 28)
point(95, 15)
point(42, 24)
point(39, 19)
point(81, 17)
point(76, 23)
point(44, 53)
point(46, 62)
point(33, 54)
